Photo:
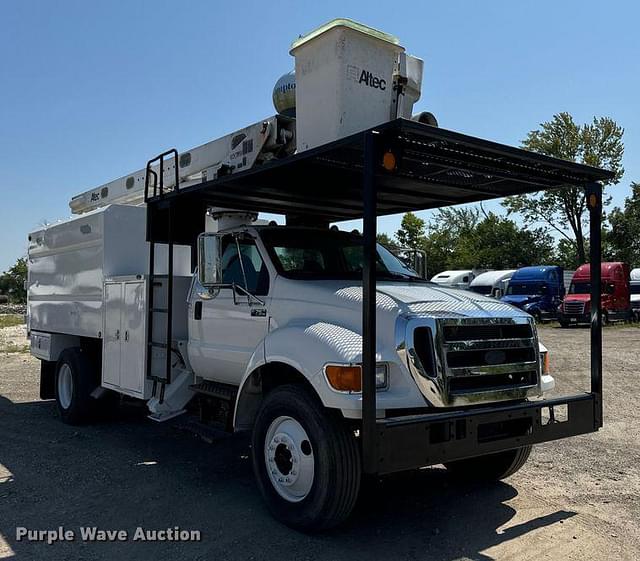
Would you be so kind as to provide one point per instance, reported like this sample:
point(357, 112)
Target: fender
point(304, 347)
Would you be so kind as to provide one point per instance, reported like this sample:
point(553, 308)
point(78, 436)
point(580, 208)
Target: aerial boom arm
point(238, 151)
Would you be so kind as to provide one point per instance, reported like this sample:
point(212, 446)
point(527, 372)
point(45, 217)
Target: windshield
point(313, 254)
point(525, 288)
point(481, 288)
point(580, 288)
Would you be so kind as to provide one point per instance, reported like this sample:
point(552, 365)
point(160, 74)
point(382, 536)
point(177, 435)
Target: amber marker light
point(344, 378)
point(389, 161)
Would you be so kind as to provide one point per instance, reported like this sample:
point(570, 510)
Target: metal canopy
point(434, 168)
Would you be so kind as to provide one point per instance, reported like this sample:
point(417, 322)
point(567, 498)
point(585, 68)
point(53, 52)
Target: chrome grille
point(475, 360)
point(574, 308)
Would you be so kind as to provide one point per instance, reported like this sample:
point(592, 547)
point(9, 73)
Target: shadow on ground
point(129, 472)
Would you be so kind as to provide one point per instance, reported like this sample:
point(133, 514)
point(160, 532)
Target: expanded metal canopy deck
point(397, 167)
point(434, 168)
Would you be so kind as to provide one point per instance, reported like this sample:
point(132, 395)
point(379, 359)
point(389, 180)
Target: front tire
point(491, 467)
point(306, 461)
point(73, 386)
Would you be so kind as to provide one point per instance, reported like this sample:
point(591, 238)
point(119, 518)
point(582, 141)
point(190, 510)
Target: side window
point(249, 260)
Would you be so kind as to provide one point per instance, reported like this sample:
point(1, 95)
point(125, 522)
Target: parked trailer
point(319, 342)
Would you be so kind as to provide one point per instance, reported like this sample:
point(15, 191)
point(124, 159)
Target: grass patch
point(9, 320)
point(13, 348)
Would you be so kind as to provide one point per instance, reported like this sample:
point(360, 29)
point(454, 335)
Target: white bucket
point(344, 81)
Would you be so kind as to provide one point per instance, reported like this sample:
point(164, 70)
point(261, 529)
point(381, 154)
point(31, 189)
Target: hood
point(404, 298)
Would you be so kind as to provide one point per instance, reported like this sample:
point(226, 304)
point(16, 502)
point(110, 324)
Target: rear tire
point(491, 467)
point(293, 431)
point(73, 387)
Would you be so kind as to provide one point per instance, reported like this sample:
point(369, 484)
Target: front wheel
point(491, 467)
point(306, 461)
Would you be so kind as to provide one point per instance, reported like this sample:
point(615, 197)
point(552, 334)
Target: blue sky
point(89, 91)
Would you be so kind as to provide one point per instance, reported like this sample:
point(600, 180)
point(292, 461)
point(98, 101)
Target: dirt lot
point(575, 499)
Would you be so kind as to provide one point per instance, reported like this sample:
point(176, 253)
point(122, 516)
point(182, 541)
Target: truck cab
point(634, 284)
point(455, 279)
point(537, 291)
point(616, 303)
point(287, 297)
point(492, 283)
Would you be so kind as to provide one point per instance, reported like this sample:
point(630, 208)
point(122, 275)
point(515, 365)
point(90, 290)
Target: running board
point(225, 392)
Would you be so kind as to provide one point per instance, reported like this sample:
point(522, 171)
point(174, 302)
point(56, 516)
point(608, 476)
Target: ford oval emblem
point(495, 357)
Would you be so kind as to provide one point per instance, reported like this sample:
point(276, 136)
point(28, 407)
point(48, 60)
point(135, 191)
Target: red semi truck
point(616, 302)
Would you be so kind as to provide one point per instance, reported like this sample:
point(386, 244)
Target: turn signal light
point(348, 378)
point(545, 363)
point(344, 378)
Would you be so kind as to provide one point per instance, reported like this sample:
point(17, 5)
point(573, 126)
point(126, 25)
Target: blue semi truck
point(537, 291)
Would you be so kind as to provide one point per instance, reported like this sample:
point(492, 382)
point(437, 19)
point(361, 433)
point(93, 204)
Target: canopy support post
point(369, 434)
point(594, 204)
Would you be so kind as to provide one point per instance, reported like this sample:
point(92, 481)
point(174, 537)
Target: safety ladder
point(154, 181)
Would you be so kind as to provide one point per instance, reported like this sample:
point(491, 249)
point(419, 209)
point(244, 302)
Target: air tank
point(284, 95)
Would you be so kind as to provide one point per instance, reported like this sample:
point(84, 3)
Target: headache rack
point(397, 167)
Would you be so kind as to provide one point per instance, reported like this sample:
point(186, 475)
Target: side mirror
point(209, 259)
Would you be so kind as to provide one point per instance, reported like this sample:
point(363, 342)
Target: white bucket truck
point(335, 355)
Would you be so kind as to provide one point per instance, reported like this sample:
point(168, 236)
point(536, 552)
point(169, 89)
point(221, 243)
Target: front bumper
point(416, 441)
point(574, 318)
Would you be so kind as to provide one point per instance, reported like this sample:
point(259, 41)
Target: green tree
point(598, 144)
point(12, 282)
point(623, 239)
point(386, 241)
point(412, 231)
point(499, 243)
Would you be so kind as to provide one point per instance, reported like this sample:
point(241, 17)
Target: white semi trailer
point(337, 356)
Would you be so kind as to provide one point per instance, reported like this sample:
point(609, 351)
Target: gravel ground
point(575, 499)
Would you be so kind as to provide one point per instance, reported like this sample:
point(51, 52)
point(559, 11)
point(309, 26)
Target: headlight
point(348, 377)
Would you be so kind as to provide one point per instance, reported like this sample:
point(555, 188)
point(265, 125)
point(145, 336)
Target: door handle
point(126, 335)
point(117, 334)
point(197, 310)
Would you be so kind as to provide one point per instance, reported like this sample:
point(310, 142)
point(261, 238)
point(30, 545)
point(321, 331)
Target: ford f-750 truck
point(336, 356)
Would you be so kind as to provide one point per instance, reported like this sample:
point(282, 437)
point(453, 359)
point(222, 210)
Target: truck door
point(225, 329)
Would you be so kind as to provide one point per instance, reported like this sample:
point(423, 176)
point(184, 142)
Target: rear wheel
point(491, 467)
point(73, 386)
point(306, 462)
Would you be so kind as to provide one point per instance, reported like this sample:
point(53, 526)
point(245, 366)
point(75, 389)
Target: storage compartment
point(69, 262)
point(344, 81)
point(124, 350)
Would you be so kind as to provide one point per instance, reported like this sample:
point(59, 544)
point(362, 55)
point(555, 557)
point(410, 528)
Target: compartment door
point(133, 344)
point(112, 334)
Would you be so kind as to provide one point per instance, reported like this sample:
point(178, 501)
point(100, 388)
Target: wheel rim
point(289, 459)
point(65, 386)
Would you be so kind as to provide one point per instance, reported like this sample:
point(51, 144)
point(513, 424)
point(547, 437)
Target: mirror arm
point(250, 296)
